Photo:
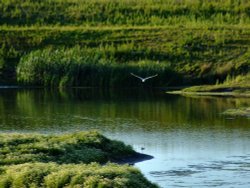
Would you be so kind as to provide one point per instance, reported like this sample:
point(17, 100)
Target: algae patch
point(243, 111)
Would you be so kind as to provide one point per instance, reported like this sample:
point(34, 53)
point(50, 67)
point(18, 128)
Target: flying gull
point(143, 79)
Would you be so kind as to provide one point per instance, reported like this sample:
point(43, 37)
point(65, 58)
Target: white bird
point(143, 79)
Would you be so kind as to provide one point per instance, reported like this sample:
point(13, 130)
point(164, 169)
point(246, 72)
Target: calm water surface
point(193, 144)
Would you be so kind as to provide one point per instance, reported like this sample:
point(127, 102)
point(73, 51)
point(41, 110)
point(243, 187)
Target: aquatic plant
point(243, 111)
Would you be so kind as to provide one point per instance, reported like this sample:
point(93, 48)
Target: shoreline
point(131, 160)
point(222, 94)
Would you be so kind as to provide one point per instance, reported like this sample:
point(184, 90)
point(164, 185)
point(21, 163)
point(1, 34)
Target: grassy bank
point(243, 111)
point(239, 84)
point(83, 147)
point(232, 86)
point(198, 55)
point(201, 41)
point(34, 160)
point(39, 175)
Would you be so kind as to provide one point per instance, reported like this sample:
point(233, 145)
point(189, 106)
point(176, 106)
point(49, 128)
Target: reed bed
point(201, 55)
point(84, 67)
point(202, 41)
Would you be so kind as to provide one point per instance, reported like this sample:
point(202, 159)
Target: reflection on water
point(194, 145)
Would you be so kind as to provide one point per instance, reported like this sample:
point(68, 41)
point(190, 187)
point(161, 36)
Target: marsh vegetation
point(58, 161)
point(84, 67)
point(243, 111)
point(83, 147)
point(198, 42)
point(237, 86)
point(98, 43)
point(39, 175)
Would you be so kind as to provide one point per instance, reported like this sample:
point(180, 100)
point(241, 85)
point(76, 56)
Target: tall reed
point(84, 67)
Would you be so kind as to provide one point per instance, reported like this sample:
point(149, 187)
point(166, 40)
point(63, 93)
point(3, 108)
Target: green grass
point(198, 55)
point(201, 41)
point(238, 84)
point(123, 12)
point(35, 160)
point(82, 147)
point(39, 175)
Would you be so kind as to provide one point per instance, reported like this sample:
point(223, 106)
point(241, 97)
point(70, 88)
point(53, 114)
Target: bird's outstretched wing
point(150, 77)
point(136, 76)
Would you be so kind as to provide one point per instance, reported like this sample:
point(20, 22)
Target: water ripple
point(173, 173)
point(219, 173)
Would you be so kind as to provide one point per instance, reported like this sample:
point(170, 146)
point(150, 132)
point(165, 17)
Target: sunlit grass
point(35, 160)
point(39, 175)
point(82, 147)
point(124, 12)
point(200, 55)
point(237, 84)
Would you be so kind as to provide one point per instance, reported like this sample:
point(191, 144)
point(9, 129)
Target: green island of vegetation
point(239, 87)
point(68, 160)
point(243, 111)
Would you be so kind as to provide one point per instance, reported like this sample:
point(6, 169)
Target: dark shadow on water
point(136, 158)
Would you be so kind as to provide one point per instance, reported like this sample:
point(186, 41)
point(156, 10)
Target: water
point(193, 144)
